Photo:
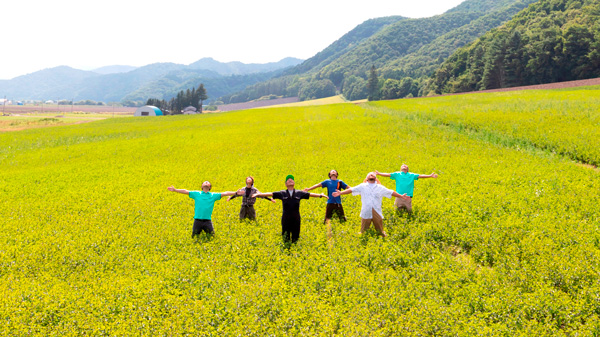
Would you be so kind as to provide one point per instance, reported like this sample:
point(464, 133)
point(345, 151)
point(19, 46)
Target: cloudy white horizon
point(88, 35)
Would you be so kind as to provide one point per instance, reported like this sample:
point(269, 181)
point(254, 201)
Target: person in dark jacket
point(290, 198)
point(247, 211)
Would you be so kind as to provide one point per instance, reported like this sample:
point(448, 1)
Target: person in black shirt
point(247, 211)
point(290, 198)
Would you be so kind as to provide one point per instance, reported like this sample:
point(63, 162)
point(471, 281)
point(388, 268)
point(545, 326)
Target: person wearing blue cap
point(290, 198)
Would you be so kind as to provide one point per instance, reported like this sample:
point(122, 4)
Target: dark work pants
point(247, 212)
point(290, 229)
point(202, 225)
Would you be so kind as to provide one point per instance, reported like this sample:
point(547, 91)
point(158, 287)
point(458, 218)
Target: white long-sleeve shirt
point(371, 196)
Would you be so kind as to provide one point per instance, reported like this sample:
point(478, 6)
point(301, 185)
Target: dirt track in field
point(559, 85)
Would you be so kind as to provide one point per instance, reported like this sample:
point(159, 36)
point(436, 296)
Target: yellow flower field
point(505, 242)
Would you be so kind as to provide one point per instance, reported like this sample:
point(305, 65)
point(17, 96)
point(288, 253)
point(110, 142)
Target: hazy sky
point(90, 34)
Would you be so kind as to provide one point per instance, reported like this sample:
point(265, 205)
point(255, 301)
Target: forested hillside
point(402, 50)
point(551, 41)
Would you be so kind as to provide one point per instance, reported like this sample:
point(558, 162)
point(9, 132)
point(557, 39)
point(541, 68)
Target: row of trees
point(183, 99)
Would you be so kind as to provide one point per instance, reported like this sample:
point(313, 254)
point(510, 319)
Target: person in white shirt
point(371, 194)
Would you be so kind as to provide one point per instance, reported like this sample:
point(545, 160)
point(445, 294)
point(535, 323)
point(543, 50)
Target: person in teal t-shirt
point(203, 208)
point(405, 184)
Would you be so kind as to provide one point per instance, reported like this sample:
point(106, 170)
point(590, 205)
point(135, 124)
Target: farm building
point(148, 110)
point(190, 110)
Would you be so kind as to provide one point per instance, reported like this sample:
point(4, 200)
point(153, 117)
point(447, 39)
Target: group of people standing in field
point(371, 192)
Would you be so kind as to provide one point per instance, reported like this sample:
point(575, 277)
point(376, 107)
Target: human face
point(404, 168)
point(371, 177)
point(206, 186)
point(249, 182)
point(290, 183)
point(333, 174)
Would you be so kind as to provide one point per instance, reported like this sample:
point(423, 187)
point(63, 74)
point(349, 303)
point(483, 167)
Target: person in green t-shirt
point(405, 184)
point(203, 208)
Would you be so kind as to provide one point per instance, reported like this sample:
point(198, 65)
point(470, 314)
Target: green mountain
point(551, 41)
point(401, 49)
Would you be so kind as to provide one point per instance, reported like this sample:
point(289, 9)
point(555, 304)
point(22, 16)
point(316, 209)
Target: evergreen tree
point(201, 96)
point(373, 85)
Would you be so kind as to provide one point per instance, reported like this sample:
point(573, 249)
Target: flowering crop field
point(505, 242)
point(564, 121)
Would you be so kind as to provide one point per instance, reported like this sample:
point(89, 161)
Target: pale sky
point(39, 34)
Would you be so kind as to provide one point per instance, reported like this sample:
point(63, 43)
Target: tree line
point(183, 99)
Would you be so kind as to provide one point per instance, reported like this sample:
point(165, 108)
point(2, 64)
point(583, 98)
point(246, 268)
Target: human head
point(404, 168)
point(250, 180)
point(289, 181)
point(333, 173)
point(206, 186)
point(371, 177)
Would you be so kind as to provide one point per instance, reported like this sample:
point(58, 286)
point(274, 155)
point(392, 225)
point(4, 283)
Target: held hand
point(305, 190)
point(228, 198)
point(336, 193)
point(405, 197)
point(254, 195)
point(377, 173)
point(240, 192)
point(324, 196)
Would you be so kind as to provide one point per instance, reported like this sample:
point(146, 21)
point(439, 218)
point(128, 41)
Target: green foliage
point(355, 88)
point(317, 89)
point(550, 41)
point(504, 243)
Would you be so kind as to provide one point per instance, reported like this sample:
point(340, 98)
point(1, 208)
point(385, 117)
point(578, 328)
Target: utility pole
point(4, 105)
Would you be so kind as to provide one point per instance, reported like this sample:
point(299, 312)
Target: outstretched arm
point(337, 193)
point(262, 195)
point(314, 195)
point(228, 193)
point(182, 191)
point(402, 196)
point(383, 174)
point(312, 188)
point(271, 200)
point(433, 175)
point(237, 194)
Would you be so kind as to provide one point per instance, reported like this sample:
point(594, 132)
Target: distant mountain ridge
point(116, 69)
point(157, 80)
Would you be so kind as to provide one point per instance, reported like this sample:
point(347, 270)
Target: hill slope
point(551, 41)
point(397, 46)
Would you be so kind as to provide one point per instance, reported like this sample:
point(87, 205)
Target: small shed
point(190, 110)
point(148, 110)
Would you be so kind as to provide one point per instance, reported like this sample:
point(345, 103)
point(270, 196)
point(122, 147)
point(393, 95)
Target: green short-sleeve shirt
point(405, 182)
point(205, 202)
